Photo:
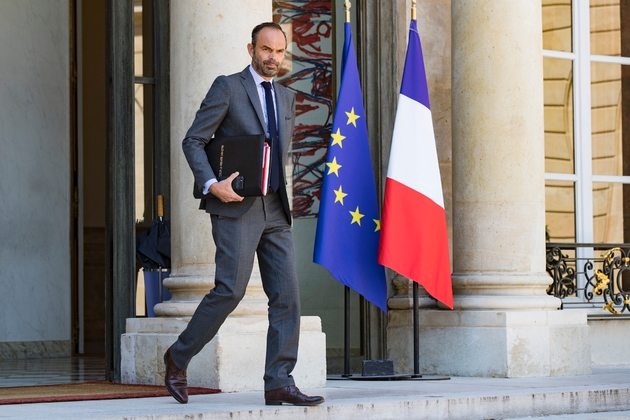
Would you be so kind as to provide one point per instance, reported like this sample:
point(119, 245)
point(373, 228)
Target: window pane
point(557, 31)
point(605, 27)
point(560, 211)
point(608, 215)
point(137, 37)
point(608, 115)
point(140, 167)
point(558, 88)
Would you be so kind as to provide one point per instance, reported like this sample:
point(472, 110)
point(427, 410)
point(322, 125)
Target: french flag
point(414, 239)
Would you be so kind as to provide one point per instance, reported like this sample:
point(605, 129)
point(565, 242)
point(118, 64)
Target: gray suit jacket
point(232, 108)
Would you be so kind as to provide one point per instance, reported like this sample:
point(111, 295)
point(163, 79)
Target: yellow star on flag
point(333, 167)
point(378, 225)
point(356, 216)
point(337, 138)
point(352, 118)
point(339, 195)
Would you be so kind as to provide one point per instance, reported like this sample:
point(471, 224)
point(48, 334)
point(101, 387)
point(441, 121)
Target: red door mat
point(86, 391)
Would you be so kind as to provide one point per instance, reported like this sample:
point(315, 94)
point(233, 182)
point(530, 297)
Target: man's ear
point(250, 50)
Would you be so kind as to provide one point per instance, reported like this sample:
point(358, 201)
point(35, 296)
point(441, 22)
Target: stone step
point(613, 415)
point(604, 394)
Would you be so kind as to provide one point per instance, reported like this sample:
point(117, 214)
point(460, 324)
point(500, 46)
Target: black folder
point(242, 154)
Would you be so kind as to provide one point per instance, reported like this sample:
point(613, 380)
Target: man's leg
point(277, 267)
point(235, 240)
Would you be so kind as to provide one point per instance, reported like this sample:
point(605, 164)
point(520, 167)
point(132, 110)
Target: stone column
point(498, 155)
point(209, 38)
point(504, 324)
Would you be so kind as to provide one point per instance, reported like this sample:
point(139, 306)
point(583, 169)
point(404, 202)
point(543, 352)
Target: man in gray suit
point(246, 103)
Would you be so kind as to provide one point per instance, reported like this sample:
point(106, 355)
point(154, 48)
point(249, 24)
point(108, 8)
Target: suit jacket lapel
point(252, 92)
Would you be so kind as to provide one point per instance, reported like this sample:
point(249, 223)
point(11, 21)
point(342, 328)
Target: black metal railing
point(590, 275)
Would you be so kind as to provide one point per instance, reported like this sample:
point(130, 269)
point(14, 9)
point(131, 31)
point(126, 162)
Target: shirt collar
point(258, 79)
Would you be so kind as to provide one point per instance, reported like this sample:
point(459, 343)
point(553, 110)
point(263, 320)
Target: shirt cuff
point(207, 185)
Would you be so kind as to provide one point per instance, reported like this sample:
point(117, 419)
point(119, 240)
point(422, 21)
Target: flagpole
point(346, 334)
point(346, 327)
point(416, 332)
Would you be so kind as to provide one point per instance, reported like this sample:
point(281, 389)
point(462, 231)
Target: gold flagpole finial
point(413, 9)
point(347, 6)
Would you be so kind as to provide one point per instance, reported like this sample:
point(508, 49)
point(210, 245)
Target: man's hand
point(223, 190)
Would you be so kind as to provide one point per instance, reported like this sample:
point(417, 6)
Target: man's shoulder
point(231, 77)
point(240, 74)
point(228, 82)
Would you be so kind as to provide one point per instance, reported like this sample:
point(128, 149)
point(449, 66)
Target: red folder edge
point(265, 168)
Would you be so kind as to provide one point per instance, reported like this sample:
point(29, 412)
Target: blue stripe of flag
point(414, 83)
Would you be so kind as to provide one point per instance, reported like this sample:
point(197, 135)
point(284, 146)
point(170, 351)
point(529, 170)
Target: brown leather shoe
point(290, 395)
point(175, 379)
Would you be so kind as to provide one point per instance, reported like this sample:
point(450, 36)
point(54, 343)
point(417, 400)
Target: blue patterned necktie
point(276, 161)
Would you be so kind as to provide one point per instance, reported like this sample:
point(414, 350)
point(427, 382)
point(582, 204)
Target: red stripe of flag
point(414, 240)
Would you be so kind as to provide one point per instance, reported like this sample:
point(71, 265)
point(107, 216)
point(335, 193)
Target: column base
point(507, 344)
point(609, 341)
point(233, 361)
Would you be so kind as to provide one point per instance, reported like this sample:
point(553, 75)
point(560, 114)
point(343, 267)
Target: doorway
point(89, 319)
point(122, 156)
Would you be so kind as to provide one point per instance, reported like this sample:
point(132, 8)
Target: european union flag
point(347, 237)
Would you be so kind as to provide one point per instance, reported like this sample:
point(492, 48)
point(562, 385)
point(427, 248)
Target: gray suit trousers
point(263, 230)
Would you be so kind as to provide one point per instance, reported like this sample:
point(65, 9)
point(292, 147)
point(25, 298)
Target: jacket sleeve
point(208, 118)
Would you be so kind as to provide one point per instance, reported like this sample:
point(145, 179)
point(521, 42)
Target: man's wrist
point(208, 184)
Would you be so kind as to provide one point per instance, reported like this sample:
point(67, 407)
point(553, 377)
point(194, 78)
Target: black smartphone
point(237, 184)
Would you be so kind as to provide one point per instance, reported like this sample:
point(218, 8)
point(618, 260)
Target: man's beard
point(260, 67)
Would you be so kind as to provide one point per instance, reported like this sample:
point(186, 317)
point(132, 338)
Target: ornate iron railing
point(590, 275)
